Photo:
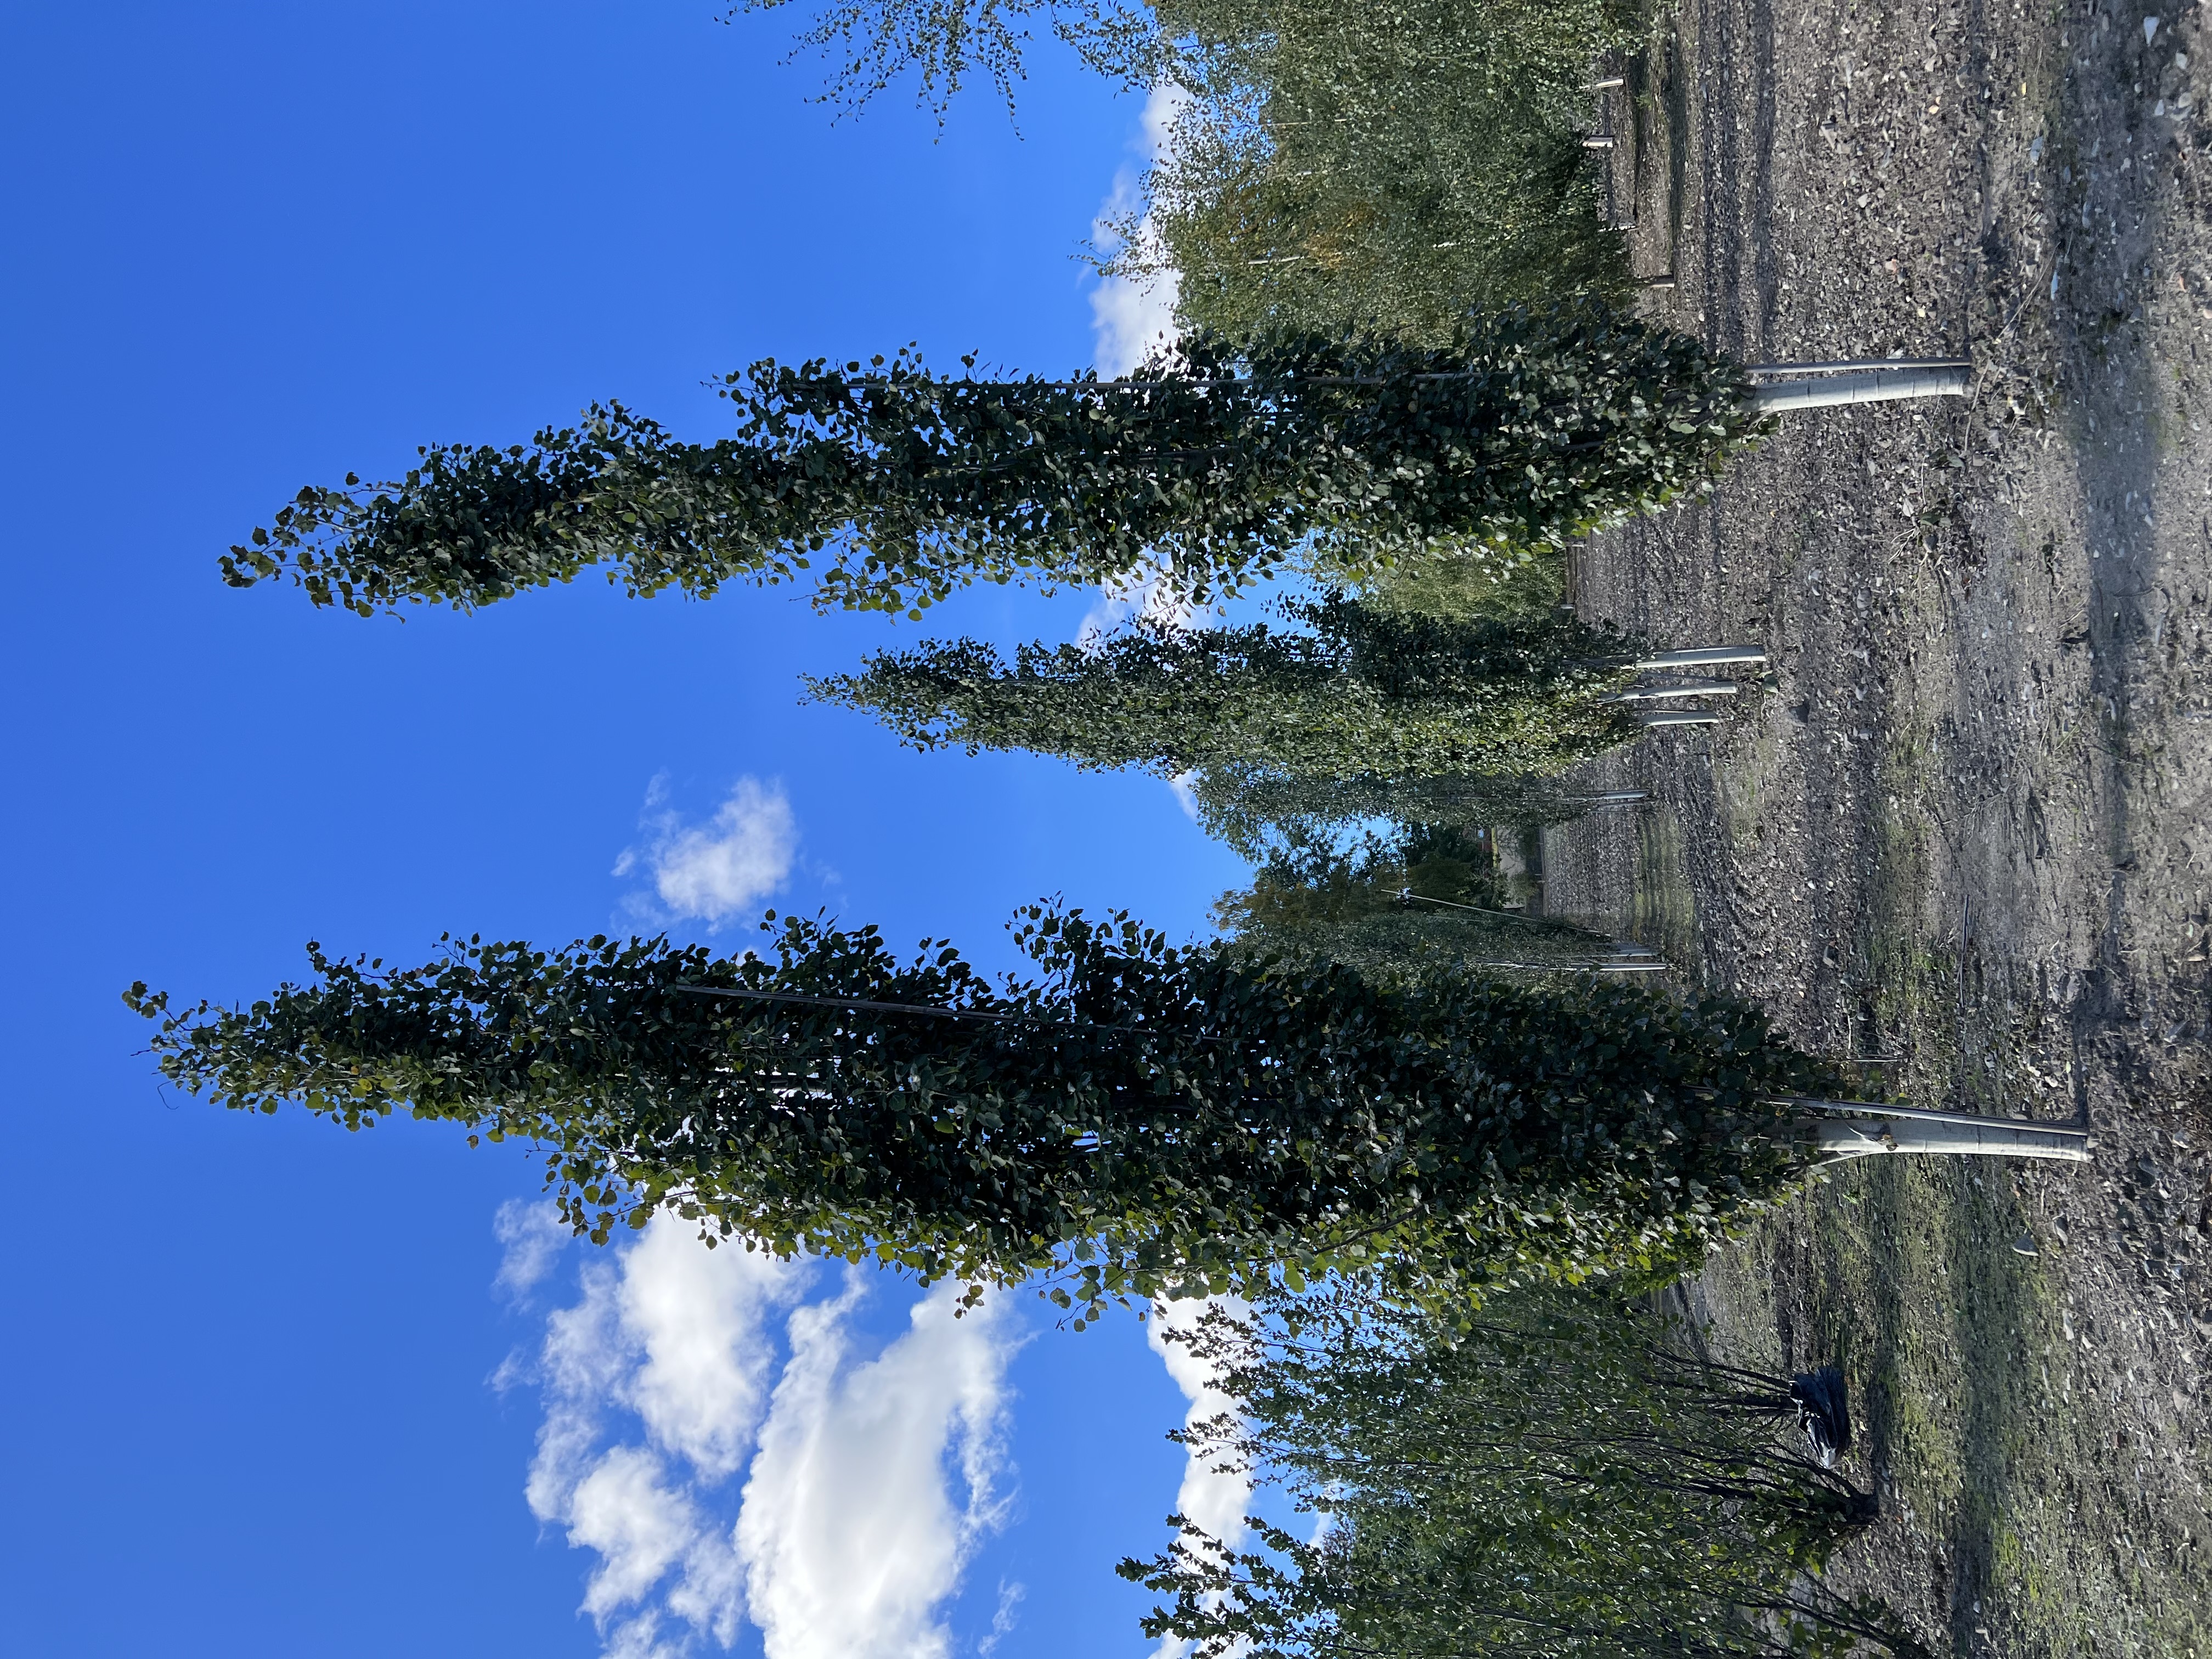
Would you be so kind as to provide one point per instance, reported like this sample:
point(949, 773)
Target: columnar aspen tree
point(887, 486)
point(1361, 691)
point(1142, 1119)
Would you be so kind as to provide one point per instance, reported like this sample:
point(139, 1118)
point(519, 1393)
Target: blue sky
point(273, 1389)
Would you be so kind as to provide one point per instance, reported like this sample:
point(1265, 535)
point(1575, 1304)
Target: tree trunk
point(1873, 1128)
point(1687, 688)
point(1703, 656)
point(1679, 717)
point(1584, 965)
point(1874, 385)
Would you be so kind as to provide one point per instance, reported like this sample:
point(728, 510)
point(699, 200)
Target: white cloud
point(669, 1344)
point(640, 1527)
point(1131, 317)
point(850, 1532)
point(869, 1482)
point(697, 1313)
point(1212, 1496)
point(531, 1237)
point(740, 856)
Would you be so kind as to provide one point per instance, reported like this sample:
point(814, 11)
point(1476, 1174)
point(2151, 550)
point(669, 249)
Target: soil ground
point(1967, 822)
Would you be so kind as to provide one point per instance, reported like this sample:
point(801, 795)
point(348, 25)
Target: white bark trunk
point(1688, 688)
point(1679, 717)
point(1704, 656)
point(1873, 386)
point(1841, 1138)
point(1861, 1128)
point(1602, 965)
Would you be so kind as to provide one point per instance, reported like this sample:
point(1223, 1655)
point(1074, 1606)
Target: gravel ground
point(1968, 820)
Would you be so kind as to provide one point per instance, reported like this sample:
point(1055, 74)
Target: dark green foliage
point(1145, 1117)
point(1558, 1479)
point(1259, 811)
point(1363, 691)
point(1394, 166)
point(902, 485)
point(1357, 905)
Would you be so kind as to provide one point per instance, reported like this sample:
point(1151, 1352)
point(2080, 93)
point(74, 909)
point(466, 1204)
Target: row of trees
point(1366, 462)
point(1407, 895)
point(1394, 166)
point(1332, 1109)
point(1565, 1477)
point(1397, 166)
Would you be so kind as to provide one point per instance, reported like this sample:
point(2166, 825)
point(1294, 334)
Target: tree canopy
point(890, 486)
point(1147, 1118)
point(1561, 1477)
point(1362, 690)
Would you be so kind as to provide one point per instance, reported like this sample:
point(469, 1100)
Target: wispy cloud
point(869, 1480)
point(1131, 317)
point(1003, 1620)
point(1186, 794)
point(531, 1237)
point(713, 871)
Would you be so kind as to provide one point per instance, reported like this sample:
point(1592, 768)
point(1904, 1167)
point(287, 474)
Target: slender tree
point(889, 486)
point(1392, 902)
point(1558, 1478)
point(1262, 811)
point(1147, 1119)
point(1362, 691)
